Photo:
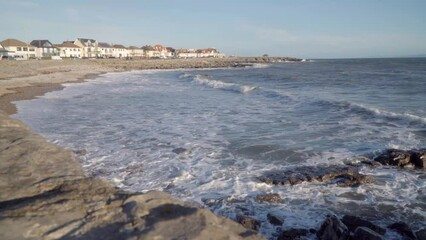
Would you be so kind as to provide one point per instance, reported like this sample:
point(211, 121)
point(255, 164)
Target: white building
point(18, 50)
point(135, 52)
point(120, 51)
point(186, 53)
point(89, 47)
point(69, 50)
point(44, 49)
point(105, 50)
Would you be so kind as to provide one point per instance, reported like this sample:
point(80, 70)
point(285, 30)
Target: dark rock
point(293, 234)
point(348, 176)
point(419, 159)
point(364, 233)
point(181, 151)
point(353, 222)
point(421, 234)
point(333, 229)
point(403, 229)
point(269, 197)
point(403, 158)
point(81, 152)
point(248, 222)
point(348, 180)
point(274, 220)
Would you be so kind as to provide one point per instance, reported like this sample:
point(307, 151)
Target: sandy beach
point(21, 80)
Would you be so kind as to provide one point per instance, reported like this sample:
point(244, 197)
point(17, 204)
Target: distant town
point(13, 49)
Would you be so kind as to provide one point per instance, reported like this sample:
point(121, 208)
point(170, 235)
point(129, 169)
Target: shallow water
point(240, 123)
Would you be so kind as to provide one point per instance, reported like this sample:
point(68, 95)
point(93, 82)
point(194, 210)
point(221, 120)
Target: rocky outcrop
point(248, 222)
point(274, 220)
point(293, 234)
point(353, 222)
point(269, 197)
point(44, 194)
point(333, 229)
point(404, 230)
point(403, 158)
point(364, 233)
point(341, 175)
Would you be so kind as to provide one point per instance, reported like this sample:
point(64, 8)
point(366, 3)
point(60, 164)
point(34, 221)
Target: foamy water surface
point(240, 123)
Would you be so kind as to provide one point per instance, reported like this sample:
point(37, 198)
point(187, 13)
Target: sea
point(238, 123)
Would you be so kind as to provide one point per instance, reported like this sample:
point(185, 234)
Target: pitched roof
point(148, 48)
point(41, 43)
point(133, 47)
point(10, 42)
point(83, 40)
point(118, 46)
point(104, 45)
point(66, 44)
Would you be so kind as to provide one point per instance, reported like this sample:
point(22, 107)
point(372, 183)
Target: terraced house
point(68, 50)
point(105, 50)
point(89, 47)
point(18, 50)
point(45, 49)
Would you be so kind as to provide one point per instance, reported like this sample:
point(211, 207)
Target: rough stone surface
point(342, 175)
point(421, 234)
point(333, 229)
point(248, 222)
point(274, 220)
point(364, 233)
point(44, 194)
point(403, 158)
point(293, 234)
point(181, 151)
point(353, 222)
point(269, 197)
point(403, 229)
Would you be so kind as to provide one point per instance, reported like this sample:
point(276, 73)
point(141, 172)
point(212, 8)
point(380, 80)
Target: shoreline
point(45, 194)
point(17, 84)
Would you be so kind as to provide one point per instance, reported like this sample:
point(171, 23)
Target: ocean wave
point(366, 110)
point(217, 84)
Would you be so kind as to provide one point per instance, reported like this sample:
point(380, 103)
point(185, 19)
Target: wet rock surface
point(403, 158)
point(248, 222)
point(269, 197)
point(404, 230)
point(293, 234)
point(44, 194)
point(333, 229)
point(353, 222)
point(274, 220)
point(364, 233)
point(181, 151)
point(341, 175)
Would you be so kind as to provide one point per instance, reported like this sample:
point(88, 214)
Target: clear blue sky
point(300, 28)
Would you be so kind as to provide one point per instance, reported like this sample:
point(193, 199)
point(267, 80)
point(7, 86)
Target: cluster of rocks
point(333, 228)
point(343, 176)
point(403, 158)
point(352, 228)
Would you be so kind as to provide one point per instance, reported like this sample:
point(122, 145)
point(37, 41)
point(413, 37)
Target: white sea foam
point(204, 80)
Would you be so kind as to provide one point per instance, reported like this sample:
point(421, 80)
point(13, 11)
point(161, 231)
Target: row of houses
point(90, 48)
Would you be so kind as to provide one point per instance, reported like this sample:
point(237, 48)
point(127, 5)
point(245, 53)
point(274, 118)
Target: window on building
point(25, 49)
point(18, 49)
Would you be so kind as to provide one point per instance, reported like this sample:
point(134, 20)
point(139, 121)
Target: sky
point(297, 28)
